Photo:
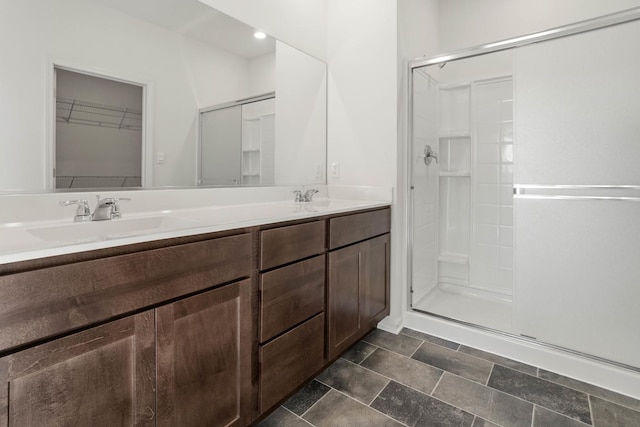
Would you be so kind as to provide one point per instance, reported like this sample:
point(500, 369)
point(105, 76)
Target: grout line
point(437, 384)
point(416, 350)
point(590, 409)
point(314, 403)
point(374, 409)
point(486, 383)
point(378, 394)
point(589, 393)
point(533, 414)
point(296, 415)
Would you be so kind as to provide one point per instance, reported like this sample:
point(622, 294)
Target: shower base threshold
point(475, 306)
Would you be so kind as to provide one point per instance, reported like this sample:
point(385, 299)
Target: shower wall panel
point(492, 241)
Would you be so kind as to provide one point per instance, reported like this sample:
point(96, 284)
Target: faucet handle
point(115, 210)
point(308, 195)
point(83, 212)
point(299, 197)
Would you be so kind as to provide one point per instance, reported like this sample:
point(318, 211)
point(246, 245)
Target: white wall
point(183, 75)
point(262, 74)
point(299, 23)
point(301, 105)
point(362, 54)
point(466, 23)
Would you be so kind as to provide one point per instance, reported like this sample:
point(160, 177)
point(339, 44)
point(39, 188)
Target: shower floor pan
point(476, 306)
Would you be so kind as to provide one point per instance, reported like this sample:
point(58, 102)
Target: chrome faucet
point(307, 196)
point(83, 213)
point(107, 208)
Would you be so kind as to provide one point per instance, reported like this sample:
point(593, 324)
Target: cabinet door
point(104, 376)
point(345, 280)
point(375, 302)
point(204, 358)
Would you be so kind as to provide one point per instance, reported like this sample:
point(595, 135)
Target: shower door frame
point(601, 22)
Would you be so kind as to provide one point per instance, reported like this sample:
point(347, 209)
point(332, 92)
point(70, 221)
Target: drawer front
point(290, 295)
point(349, 229)
point(42, 303)
point(290, 360)
point(287, 244)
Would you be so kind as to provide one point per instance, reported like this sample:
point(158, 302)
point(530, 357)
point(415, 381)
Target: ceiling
point(199, 21)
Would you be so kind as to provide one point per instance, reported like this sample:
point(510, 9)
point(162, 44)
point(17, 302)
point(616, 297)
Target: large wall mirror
point(184, 59)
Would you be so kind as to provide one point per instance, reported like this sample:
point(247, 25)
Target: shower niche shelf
point(455, 174)
point(456, 136)
point(454, 258)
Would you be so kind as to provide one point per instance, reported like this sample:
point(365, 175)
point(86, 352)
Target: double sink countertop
point(21, 241)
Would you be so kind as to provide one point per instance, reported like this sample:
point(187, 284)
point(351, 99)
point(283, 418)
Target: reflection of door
point(98, 131)
point(237, 142)
point(220, 142)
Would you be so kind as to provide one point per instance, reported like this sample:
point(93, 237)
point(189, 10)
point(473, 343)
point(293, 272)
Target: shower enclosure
point(524, 201)
point(462, 188)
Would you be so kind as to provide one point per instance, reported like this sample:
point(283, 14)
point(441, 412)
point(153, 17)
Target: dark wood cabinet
point(346, 279)
point(209, 330)
point(204, 361)
point(358, 288)
point(103, 376)
point(289, 360)
point(292, 304)
point(290, 295)
point(375, 302)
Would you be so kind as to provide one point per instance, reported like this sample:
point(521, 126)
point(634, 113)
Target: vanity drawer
point(349, 229)
point(43, 303)
point(290, 360)
point(291, 294)
point(287, 244)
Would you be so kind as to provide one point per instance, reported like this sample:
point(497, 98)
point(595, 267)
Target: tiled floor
point(414, 379)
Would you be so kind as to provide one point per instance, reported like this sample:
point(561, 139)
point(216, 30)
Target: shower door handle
point(429, 155)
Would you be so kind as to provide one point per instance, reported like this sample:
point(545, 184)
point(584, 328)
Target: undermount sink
point(106, 230)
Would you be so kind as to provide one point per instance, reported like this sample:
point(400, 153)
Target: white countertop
point(20, 241)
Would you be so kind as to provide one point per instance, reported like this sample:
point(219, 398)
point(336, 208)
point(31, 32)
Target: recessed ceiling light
point(259, 35)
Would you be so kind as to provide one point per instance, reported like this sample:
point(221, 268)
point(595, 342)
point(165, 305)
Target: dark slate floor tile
point(401, 344)
point(354, 380)
point(558, 398)
point(479, 422)
point(453, 361)
point(593, 390)
point(304, 399)
point(607, 414)
point(544, 418)
point(358, 352)
point(403, 369)
point(413, 408)
point(283, 418)
point(337, 410)
point(509, 363)
point(430, 338)
point(484, 401)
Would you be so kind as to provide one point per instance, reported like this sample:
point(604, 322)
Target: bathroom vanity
point(210, 328)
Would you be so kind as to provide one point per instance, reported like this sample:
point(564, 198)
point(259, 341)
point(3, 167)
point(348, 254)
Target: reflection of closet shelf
point(88, 113)
point(461, 135)
point(250, 150)
point(454, 258)
point(454, 174)
point(250, 173)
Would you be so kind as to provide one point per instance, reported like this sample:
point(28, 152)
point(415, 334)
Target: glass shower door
point(462, 240)
point(425, 186)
